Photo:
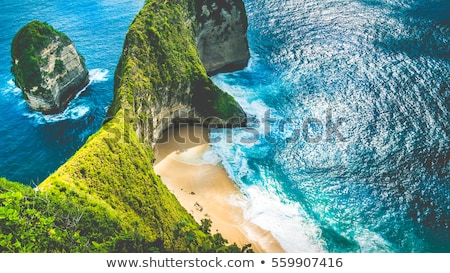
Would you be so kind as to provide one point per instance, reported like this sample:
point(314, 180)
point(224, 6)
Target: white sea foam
point(10, 92)
point(95, 75)
point(210, 157)
point(11, 83)
point(98, 75)
point(265, 205)
point(72, 113)
point(81, 91)
point(371, 242)
point(12, 88)
point(285, 220)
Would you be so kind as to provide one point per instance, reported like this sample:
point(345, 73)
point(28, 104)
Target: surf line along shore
point(205, 190)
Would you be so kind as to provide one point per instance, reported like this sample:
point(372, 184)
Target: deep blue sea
point(348, 147)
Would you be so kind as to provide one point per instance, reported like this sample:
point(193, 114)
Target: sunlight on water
point(371, 171)
point(356, 157)
point(70, 112)
point(98, 75)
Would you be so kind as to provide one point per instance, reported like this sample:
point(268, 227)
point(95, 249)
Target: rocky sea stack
point(47, 67)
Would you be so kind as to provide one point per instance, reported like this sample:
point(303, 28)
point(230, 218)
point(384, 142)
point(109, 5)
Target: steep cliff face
point(221, 35)
point(160, 79)
point(47, 67)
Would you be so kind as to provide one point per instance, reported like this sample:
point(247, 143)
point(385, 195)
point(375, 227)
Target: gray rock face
point(62, 83)
point(47, 67)
point(221, 35)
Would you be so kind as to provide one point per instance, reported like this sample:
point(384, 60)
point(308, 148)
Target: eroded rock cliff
point(47, 67)
point(161, 80)
point(221, 35)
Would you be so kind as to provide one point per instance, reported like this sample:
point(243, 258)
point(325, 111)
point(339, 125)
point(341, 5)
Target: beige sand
point(205, 190)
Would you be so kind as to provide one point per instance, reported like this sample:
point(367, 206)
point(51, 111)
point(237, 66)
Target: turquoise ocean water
point(349, 147)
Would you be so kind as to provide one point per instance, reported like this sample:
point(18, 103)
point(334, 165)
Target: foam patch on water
point(371, 242)
point(11, 88)
point(12, 84)
point(265, 204)
point(231, 157)
point(12, 95)
point(80, 92)
point(73, 113)
point(210, 157)
point(285, 220)
point(95, 75)
point(98, 75)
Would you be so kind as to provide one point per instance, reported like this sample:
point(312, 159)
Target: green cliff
point(160, 78)
point(107, 198)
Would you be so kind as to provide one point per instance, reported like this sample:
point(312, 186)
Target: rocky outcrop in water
point(47, 67)
point(221, 35)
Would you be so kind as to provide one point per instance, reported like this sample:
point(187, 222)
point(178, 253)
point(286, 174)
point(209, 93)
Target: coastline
point(205, 190)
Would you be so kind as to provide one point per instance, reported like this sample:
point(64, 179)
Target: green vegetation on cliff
point(26, 48)
point(160, 63)
point(106, 198)
point(47, 67)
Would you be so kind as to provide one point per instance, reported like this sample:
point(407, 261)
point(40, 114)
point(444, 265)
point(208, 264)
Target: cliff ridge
point(161, 80)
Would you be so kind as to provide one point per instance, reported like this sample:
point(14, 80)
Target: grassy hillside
point(107, 198)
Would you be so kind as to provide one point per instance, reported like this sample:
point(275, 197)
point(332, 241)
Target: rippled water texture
point(376, 71)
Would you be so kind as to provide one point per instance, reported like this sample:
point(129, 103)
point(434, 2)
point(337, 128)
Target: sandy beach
point(205, 190)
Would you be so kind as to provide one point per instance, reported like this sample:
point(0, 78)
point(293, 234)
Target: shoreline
point(205, 190)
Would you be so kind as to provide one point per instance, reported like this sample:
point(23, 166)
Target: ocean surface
point(348, 146)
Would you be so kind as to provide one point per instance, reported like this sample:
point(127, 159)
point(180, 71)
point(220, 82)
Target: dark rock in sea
point(221, 35)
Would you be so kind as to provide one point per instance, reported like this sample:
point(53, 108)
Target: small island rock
point(47, 67)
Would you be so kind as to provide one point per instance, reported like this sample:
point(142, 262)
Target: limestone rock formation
point(161, 80)
point(47, 67)
point(221, 35)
